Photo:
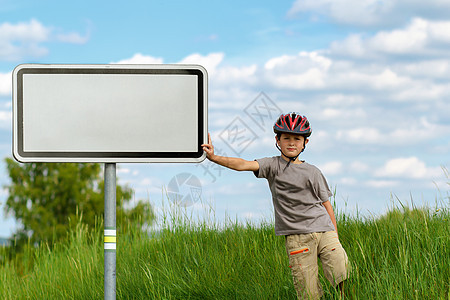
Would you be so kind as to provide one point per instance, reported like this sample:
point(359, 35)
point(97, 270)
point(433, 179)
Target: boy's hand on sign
point(209, 148)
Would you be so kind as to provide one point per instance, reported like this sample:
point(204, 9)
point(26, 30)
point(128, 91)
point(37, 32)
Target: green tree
point(49, 199)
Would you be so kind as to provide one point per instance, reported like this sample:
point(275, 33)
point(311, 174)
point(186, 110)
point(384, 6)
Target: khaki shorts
point(303, 250)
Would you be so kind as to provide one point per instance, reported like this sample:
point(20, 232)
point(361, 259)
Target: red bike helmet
point(292, 123)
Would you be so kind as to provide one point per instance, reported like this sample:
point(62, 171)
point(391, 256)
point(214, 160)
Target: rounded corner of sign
point(201, 158)
point(203, 70)
point(18, 68)
point(18, 158)
point(199, 68)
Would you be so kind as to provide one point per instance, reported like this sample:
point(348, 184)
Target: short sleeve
point(321, 186)
point(264, 167)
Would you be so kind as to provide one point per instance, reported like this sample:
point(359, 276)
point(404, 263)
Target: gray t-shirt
point(297, 194)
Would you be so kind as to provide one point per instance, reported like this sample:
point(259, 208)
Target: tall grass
point(402, 255)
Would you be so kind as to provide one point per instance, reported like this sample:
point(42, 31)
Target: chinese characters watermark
point(239, 135)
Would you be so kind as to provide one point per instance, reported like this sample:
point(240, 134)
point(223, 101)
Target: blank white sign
point(109, 113)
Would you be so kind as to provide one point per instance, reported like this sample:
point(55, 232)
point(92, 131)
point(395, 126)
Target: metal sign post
point(110, 231)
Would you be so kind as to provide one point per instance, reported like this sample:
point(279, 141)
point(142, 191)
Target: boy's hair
point(292, 123)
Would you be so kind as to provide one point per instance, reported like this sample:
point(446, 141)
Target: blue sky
point(371, 76)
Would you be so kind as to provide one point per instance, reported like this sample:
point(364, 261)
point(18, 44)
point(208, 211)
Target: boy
point(303, 212)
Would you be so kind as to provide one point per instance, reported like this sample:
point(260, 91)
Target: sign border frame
point(102, 156)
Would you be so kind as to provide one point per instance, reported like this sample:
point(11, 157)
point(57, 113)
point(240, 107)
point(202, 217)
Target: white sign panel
point(109, 113)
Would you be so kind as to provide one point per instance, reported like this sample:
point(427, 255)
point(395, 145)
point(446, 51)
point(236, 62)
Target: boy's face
point(291, 144)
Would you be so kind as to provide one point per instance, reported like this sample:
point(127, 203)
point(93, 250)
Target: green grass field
point(402, 255)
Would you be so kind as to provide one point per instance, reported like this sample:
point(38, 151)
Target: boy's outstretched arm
point(234, 163)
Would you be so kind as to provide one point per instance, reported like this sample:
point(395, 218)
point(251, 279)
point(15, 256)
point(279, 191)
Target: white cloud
point(33, 31)
point(421, 91)
point(147, 186)
point(5, 84)
point(362, 135)
point(5, 119)
point(210, 61)
point(326, 71)
point(238, 189)
point(222, 76)
point(418, 131)
point(25, 39)
point(213, 37)
point(381, 183)
point(72, 38)
point(400, 85)
point(331, 168)
point(353, 46)
point(319, 141)
point(139, 58)
point(440, 31)
point(236, 76)
point(370, 12)
point(310, 71)
point(431, 69)
point(359, 167)
point(389, 80)
point(407, 167)
point(411, 39)
point(406, 131)
point(304, 60)
point(348, 181)
point(307, 70)
point(337, 113)
point(343, 100)
point(419, 37)
point(343, 11)
point(123, 171)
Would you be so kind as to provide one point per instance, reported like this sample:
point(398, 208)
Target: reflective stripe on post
point(110, 239)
